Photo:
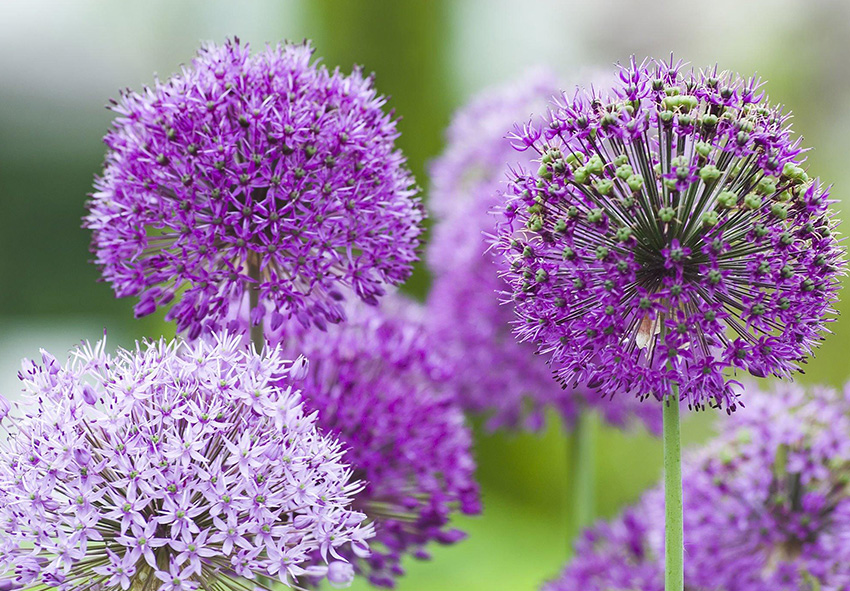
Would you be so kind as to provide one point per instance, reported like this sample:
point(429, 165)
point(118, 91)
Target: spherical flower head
point(613, 556)
point(378, 386)
point(495, 375)
point(264, 178)
point(766, 506)
point(668, 234)
point(171, 467)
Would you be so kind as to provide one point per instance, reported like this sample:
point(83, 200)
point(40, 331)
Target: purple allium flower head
point(171, 467)
point(613, 556)
point(379, 387)
point(669, 233)
point(495, 375)
point(263, 178)
point(766, 507)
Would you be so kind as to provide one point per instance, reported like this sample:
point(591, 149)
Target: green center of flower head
point(669, 193)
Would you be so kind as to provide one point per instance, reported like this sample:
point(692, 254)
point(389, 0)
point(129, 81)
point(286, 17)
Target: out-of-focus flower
point(668, 234)
point(171, 467)
point(265, 179)
point(766, 507)
point(378, 385)
point(494, 374)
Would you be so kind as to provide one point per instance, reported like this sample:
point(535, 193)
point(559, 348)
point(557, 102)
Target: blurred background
point(61, 60)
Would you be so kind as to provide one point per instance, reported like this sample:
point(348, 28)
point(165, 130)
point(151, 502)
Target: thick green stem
point(257, 336)
point(583, 444)
point(674, 558)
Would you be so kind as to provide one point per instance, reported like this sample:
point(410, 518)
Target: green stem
point(583, 448)
point(674, 558)
point(257, 336)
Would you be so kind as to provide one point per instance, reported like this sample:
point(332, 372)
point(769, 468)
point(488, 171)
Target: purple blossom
point(263, 179)
point(669, 233)
point(127, 468)
point(494, 374)
point(766, 507)
point(378, 385)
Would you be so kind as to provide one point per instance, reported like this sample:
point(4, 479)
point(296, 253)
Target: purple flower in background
point(378, 386)
point(171, 467)
point(613, 556)
point(766, 507)
point(265, 179)
point(668, 234)
point(494, 374)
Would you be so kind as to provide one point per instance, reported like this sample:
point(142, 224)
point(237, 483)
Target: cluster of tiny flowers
point(171, 468)
point(613, 556)
point(495, 375)
point(263, 178)
point(379, 387)
point(766, 507)
point(669, 233)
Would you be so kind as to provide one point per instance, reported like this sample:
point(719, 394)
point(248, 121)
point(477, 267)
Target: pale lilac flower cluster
point(766, 507)
point(256, 178)
point(669, 234)
point(495, 375)
point(171, 468)
point(378, 385)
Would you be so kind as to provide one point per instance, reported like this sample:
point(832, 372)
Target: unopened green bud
point(666, 214)
point(703, 149)
point(709, 219)
point(766, 186)
point(595, 216)
point(604, 186)
point(709, 173)
point(752, 201)
point(580, 175)
point(727, 200)
point(595, 165)
point(635, 182)
point(624, 171)
point(779, 211)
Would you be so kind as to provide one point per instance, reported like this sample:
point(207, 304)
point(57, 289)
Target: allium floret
point(494, 375)
point(171, 467)
point(264, 178)
point(378, 385)
point(669, 233)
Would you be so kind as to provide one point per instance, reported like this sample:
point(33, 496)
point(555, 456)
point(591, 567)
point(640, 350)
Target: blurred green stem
point(674, 556)
point(583, 444)
point(257, 336)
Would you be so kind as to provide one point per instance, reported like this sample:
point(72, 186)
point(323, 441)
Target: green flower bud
point(624, 171)
point(727, 200)
point(635, 182)
point(709, 173)
point(604, 186)
point(752, 201)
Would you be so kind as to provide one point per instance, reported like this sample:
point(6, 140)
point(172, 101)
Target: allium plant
point(378, 385)
point(264, 178)
point(494, 375)
point(171, 467)
point(613, 556)
point(766, 507)
point(669, 233)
